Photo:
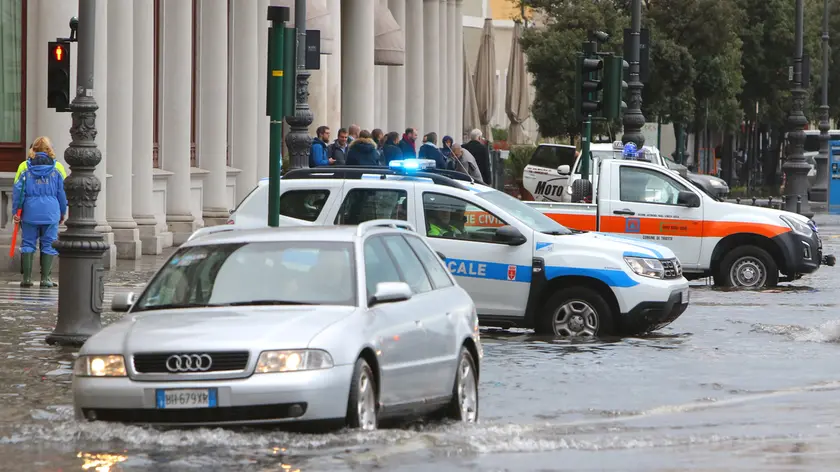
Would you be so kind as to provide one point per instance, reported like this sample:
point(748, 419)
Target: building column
point(431, 66)
point(459, 70)
point(333, 71)
point(142, 136)
point(415, 106)
point(243, 136)
point(445, 86)
point(212, 108)
point(176, 117)
point(357, 69)
point(263, 122)
point(378, 104)
point(452, 104)
point(100, 72)
point(120, 129)
point(396, 77)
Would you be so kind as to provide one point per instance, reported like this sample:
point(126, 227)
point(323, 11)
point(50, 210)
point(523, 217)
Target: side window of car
point(639, 185)
point(431, 261)
point(303, 204)
point(450, 217)
point(409, 265)
point(365, 204)
point(379, 266)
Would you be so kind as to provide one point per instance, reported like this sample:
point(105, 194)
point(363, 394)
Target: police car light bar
point(412, 164)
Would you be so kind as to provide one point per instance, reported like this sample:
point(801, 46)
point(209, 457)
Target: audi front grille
point(160, 363)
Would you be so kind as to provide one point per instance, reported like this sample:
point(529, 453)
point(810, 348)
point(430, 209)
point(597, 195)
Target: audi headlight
point(646, 267)
point(100, 366)
point(797, 226)
point(293, 361)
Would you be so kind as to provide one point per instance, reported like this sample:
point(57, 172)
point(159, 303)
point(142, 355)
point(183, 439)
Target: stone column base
point(181, 230)
point(109, 259)
point(215, 216)
point(151, 240)
point(128, 243)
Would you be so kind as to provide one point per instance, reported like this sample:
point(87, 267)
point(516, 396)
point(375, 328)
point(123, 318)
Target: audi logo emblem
point(189, 363)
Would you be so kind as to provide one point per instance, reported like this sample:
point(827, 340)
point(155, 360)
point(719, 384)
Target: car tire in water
point(575, 312)
point(464, 403)
point(362, 410)
point(747, 267)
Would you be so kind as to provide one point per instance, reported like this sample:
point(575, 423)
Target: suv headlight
point(798, 227)
point(293, 361)
point(100, 366)
point(646, 267)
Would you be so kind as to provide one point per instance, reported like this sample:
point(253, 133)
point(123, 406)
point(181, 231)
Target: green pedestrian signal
point(614, 86)
point(587, 86)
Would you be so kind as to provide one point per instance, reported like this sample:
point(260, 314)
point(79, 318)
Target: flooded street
point(742, 381)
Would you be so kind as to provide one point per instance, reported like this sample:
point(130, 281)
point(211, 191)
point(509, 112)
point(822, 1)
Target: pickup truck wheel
point(747, 267)
point(575, 312)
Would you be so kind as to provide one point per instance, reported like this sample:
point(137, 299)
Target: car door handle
point(624, 212)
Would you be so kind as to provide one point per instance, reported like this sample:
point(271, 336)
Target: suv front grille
point(673, 269)
point(155, 363)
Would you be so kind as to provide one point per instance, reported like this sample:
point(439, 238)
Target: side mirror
point(564, 170)
point(390, 292)
point(441, 255)
point(689, 199)
point(510, 236)
point(122, 302)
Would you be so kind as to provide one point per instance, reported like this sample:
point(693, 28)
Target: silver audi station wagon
point(343, 325)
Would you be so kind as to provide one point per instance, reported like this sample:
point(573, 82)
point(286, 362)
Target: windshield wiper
point(558, 233)
point(172, 306)
point(265, 302)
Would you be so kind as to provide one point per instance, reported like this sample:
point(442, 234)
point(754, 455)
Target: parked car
point(340, 325)
point(522, 268)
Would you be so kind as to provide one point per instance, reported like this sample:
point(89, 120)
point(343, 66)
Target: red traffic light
point(59, 53)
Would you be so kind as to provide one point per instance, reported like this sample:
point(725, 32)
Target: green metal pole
point(289, 64)
point(659, 134)
point(276, 36)
point(584, 147)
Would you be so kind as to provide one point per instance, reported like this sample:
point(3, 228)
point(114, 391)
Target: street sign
point(834, 181)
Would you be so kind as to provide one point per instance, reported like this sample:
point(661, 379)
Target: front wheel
point(361, 404)
point(747, 267)
point(464, 404)
point(575, 312)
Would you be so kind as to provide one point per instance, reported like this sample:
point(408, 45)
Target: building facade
point(181, 91)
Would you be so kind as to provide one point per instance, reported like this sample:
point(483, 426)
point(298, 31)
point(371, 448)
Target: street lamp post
point(795, 167)
point(819, 192)
point(81, 288)
point(298, 140)
point(633, 119)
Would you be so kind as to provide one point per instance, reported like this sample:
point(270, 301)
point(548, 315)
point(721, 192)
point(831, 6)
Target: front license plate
point(684, 297)
point(186, 398)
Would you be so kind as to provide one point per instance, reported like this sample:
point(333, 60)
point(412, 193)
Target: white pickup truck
point(739, 245)
point(521, 268)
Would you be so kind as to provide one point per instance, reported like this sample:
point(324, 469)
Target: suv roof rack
point(449, 178)
point(396, 224)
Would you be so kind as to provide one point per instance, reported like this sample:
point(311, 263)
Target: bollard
point(753, 201)
point(799, 204)
point(738, 200)
point(770, 202)
point(784, 202)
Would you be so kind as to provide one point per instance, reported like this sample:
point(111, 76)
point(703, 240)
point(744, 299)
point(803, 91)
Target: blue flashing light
point(412, 164)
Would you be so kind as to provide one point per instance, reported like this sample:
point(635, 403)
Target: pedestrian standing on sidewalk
point(41, 144)
point(40, 193)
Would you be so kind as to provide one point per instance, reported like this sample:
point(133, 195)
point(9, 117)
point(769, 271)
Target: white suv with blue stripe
point(521, 268)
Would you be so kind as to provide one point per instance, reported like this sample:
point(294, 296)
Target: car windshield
point(256, 273)
point(532, 217)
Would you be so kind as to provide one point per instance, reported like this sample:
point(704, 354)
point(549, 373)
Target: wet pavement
point(742, 381)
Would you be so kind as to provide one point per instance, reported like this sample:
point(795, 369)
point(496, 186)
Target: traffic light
point(614, 86)
point(587, 86)
point(58, 76)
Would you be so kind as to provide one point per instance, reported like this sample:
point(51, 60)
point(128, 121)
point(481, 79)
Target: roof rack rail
point(208, 230)
point(366, 226)
point(440, 177)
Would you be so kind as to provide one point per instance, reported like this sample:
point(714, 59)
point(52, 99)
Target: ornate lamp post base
point(298, 140)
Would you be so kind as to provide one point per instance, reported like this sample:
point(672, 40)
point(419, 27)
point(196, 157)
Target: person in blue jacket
point(318, 155)
point(363, 152)
point(429, 150)
point(40, 193)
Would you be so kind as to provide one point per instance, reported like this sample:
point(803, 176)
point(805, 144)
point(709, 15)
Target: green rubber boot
point(26, 262)
point(46, 269)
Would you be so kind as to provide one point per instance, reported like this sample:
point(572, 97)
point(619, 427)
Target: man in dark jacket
point(338, 149)
point(318, 155)
point(407, 145)
point(391, 148)
point(429, 150)
point(362, 151)
point(481, 154)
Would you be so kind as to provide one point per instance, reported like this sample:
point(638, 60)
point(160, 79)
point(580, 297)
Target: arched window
point(13, 85)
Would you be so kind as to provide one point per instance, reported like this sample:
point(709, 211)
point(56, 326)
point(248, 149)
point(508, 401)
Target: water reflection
point(100, 462)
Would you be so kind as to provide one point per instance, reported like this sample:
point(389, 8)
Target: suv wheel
point(747, 267)
point(575, 312)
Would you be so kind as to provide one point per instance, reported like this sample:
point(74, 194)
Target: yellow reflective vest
point(25, 164)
